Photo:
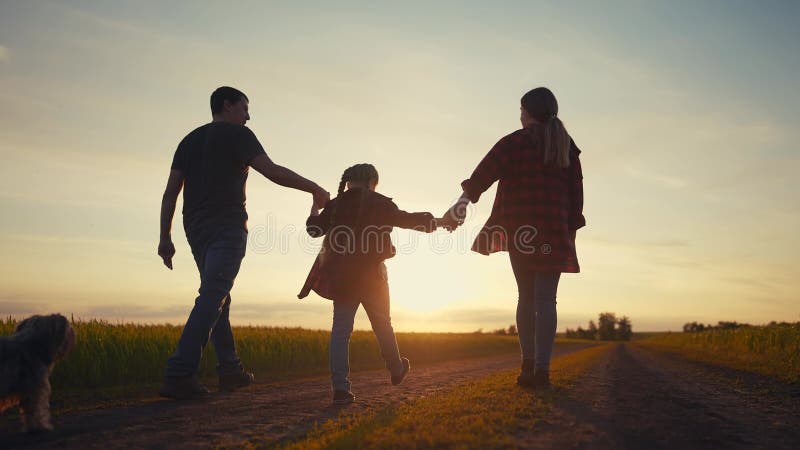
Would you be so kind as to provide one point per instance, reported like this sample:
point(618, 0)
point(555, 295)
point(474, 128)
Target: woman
point(536, 212)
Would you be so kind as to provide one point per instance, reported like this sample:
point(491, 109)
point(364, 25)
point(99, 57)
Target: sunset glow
point(686, 115)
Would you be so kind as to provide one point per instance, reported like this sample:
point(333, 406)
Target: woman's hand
point(454, 217)
point(447, 223)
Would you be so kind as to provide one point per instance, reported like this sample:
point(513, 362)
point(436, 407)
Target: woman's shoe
point(526, 376)
point(343, 397)
point(541, 379)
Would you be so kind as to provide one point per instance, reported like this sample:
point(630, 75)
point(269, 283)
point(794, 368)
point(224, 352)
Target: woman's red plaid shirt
point(537, 208)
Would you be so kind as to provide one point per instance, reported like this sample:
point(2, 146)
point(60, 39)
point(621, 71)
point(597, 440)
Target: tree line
point(695, 327)
point(608, 328)
point(510, 331)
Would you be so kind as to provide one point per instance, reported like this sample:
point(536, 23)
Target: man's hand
point(174, 185)
point(321, 196)
point(314, 210)
point(166, 250)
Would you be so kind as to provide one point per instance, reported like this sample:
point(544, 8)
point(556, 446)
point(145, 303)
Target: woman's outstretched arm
point(490, 169)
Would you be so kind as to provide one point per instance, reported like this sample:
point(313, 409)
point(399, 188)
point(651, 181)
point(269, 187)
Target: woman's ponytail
point(556, 143)
point(541, 104)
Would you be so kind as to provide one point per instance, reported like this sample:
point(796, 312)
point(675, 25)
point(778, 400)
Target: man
point(212, 163)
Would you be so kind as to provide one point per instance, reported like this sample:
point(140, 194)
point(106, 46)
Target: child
point(350, 271)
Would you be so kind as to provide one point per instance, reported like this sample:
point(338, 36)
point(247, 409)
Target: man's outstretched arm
point(166, 250)
point(286, 177)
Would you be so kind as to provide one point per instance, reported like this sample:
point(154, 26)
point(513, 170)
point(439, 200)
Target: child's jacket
point(357, 227)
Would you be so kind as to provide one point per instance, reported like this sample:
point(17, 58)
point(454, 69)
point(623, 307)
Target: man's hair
point(218, 97)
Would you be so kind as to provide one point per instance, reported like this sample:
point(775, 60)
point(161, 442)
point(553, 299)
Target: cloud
point(55, 240)
point(18, 309)
point(637, 244)
point(5, 54)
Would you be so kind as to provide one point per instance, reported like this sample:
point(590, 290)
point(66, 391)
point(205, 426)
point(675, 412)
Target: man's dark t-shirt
point(214, 160)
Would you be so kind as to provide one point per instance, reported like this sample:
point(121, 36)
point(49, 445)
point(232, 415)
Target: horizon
point(686, 115)
point(492, 331)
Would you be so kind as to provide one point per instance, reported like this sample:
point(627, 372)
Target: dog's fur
point(26, 359)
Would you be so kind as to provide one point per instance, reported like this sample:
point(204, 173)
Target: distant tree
point(624, 329)
point(512, 330)
point(694, 327)
point(591, 333)
point(723, 325)
point(610, 329)
point(605, 330)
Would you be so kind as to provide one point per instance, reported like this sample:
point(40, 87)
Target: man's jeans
point(536, 312)
point(344, 313)
point(218, 264)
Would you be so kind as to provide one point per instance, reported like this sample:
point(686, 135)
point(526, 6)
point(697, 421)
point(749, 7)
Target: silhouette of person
point(537, 210)
point(211, 165)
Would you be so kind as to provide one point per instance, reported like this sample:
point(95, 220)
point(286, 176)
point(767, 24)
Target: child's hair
point(363, 173)
point(541, 104)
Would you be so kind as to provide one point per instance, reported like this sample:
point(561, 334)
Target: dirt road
point(633, 398)
point(639, 399)
point(265, 414)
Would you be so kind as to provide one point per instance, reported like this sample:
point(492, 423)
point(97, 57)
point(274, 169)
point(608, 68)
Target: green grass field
point(123, 355)
point(770, 350)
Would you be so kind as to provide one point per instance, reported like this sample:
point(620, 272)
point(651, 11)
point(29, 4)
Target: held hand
point(447, 223)
point(454, 217)
point(314, 210)
point(166, 250)
point(321, 196)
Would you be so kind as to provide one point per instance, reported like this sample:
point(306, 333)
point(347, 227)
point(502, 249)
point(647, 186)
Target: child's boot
point(397, 379)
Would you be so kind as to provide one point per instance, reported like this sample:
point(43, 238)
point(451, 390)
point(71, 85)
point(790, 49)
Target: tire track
point(640, 399)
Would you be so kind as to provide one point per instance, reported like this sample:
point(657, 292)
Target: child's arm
point(318, 224)
point(418, 221)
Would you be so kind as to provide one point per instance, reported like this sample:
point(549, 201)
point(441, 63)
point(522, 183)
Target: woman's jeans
point(344, 313)
point(218, 264)
point(536, 312)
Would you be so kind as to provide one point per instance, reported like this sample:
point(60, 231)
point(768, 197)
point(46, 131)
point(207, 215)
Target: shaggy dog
point(26, 359)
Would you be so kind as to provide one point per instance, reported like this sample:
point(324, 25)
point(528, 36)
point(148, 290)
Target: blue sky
point(686, 113)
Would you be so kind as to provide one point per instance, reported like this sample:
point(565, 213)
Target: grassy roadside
point(482, 414)
point(772, 350)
